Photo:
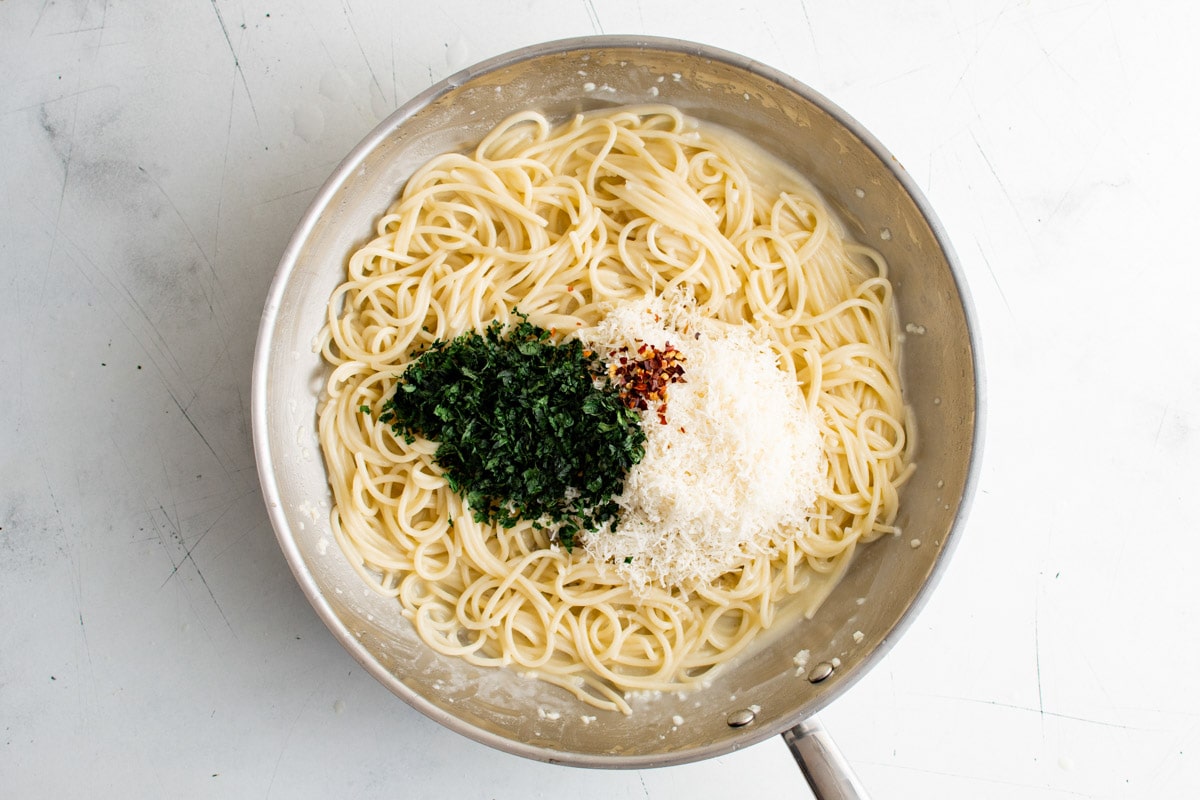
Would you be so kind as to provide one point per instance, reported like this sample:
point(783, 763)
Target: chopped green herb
point(527, 429)
point(365, 409)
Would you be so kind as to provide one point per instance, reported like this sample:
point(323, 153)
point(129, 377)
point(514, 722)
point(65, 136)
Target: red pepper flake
point(645, 378)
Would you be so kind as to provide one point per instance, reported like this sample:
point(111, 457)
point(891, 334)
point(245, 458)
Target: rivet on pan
point(739, 719)
point(820, 672)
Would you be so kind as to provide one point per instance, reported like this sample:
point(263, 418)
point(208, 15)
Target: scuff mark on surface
point(812, 36)
point(38, 21)
point(1040, 712)
point(237, 65)
point(362, 52)
point(54, 134)
point(1003, 186)
point(191, 234)
point(593, 17)
point(992, 272)
point(221, 183)
point(187, 556)
point(183, 410)
point(1037, 660)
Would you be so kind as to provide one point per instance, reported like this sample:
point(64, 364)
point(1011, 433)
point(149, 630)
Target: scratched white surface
point(154, 159)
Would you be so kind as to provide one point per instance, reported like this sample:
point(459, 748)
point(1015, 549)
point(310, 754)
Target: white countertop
point(154, 160)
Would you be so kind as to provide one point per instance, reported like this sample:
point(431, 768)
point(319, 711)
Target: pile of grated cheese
point(734, 472)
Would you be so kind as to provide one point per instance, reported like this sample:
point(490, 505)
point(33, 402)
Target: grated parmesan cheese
point(735, 470)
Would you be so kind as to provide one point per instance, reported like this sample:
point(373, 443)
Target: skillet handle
point(824, 767)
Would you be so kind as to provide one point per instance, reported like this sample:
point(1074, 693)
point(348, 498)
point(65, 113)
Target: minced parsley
point(527, 428)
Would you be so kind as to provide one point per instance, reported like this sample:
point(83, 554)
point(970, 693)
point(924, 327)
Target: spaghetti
point(565, 223)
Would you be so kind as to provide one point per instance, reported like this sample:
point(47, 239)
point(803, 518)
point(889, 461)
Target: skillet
point(763, 693)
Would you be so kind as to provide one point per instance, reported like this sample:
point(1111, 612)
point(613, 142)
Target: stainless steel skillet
point(765, 693)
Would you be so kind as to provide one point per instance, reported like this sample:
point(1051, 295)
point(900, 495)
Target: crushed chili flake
point(643, 378)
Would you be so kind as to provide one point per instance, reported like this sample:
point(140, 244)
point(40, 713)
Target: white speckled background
point(154, 159)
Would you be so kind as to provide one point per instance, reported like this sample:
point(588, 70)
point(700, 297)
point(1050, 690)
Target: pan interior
point(863, 184)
